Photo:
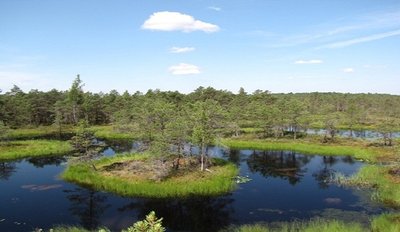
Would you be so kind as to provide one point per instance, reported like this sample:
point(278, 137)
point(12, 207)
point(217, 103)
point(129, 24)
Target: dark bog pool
point(285, 186)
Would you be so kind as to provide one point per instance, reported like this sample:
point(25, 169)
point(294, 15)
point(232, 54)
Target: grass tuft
point(110, 133)
point(38, 132)
point(386, 223)
point(33, 148)
point(387, 187)
point(315, 225)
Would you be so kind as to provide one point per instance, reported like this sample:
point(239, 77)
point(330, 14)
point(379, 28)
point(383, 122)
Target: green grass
point(110, 133)
point(38, 132)
point(102, 132)
point(386, 223)
point(316, 225)
point(64, 228)
point(217, 182)
point(305, 147)
point(33, 148)
point(386, 186)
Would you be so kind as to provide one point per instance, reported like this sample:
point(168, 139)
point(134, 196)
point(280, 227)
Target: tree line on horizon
point(166, 112)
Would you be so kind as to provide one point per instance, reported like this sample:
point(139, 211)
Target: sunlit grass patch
point(305, 147)
point(33, 148)
point(218, 181)
point(109, 132)
point(315, 225)
point(64, 228)
point(380, 178)
point(38, 132)
point(386, 223)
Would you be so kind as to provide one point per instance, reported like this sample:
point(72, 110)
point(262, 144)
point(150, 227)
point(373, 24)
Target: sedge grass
point(386, 223)
point(33, 148)
point(305, 147)
point(217, 182)
point(386, 186)
point(382, 223)
point(108, 132)
point(38, 132)
point(65, 228)
point(315, 225)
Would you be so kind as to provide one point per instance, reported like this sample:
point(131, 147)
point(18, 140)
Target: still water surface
point(285, 186)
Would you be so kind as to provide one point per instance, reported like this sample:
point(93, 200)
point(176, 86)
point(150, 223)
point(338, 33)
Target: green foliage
point(3, 131)
point(262, 109)
point(75, 99)
point(206, 118)
point(83, 141)
point(192, 183)
point(388, 222)
point(315, 225)
point(33, 148)
point(150, 224)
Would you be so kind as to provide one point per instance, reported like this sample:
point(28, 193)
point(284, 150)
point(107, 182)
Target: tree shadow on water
point(190, 214)
point(7, 169)
point(88, 205)
point(43, 161)
point(279, 164)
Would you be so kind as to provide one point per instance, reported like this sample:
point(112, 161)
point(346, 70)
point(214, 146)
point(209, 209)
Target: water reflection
point(365, 134)
point(286, 165)
point(191, 214)
point(6, 170)
point(41, 162)
point(325, 174)
point(88, 206)
point(233, 156)
point(297, 188)
point(121, 146)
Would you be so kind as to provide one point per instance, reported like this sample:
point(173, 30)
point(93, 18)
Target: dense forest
point(165, 113)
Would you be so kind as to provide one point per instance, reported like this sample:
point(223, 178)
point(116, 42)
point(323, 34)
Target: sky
point(280, 46)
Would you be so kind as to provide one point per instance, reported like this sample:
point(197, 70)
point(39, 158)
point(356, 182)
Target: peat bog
point(284, 186)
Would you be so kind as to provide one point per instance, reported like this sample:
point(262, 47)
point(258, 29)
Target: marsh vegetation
point(190, 148)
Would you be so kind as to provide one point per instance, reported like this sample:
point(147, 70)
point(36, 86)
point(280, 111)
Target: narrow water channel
point(284, 186)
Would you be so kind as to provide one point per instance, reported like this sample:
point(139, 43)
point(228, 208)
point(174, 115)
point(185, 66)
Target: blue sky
point(281, 46)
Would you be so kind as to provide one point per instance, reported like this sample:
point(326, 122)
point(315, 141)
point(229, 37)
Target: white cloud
point(181, 49)
point(364, 39)
point(184, 69)
point(348, 70)
point(308, 62)
point(175, 21)
point(215, 8)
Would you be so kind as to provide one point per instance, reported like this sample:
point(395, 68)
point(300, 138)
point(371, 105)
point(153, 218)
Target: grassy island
point(33, 148)
point(146, 176)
